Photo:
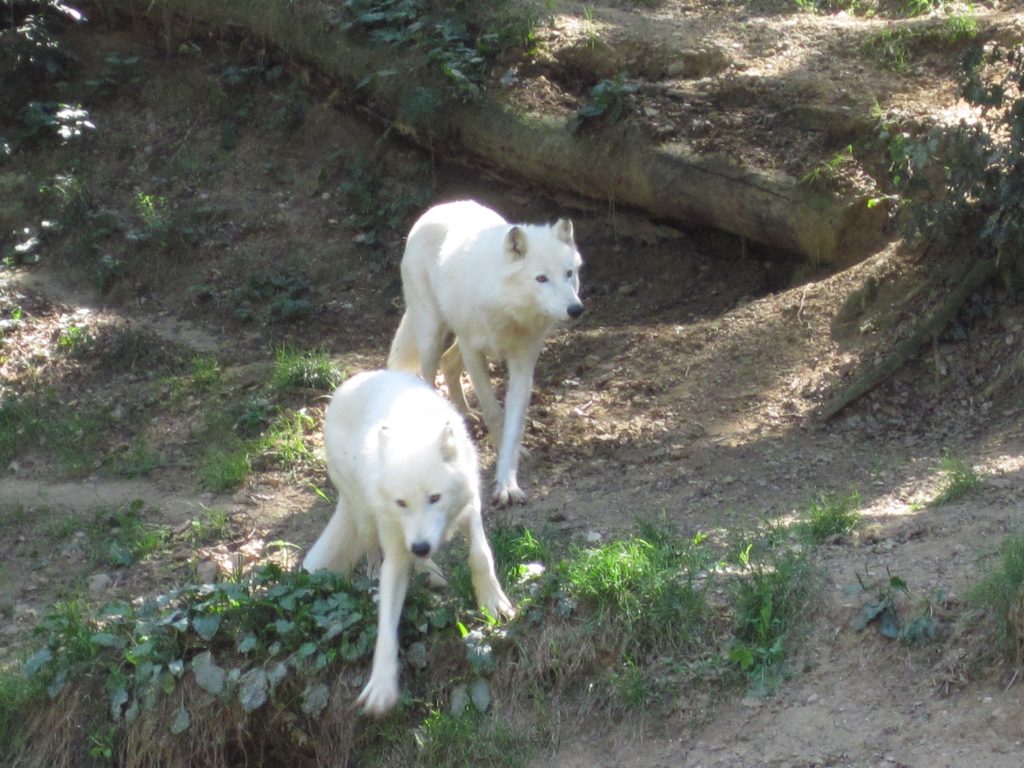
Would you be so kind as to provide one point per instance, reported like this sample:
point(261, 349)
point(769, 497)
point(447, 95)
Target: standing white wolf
point(500, 289)
point(407, 478)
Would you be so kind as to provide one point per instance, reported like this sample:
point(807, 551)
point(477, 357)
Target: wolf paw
point(378, 697)
point(506, 496)
point(499, 606)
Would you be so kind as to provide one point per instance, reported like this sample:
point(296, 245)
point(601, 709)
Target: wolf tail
point(404, 355)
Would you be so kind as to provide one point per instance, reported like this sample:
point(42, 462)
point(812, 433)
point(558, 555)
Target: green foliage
point(830, 515)
point(453, 47)
point(276, 296)
point(272, 636)
point(123, 537)
point(999, 595)
point(16, 692)
point(118, 71)
point(76, 340)
point(884, 610)
point(828, 173)
point(609, 100)
point(771, 600)
point(646, 591)
point(303, 369)
point(211, 526)
point(447, 740)
point(959, 479)
point(224, 468)
point(206, 374)
point(380, 207)
point(21, 424)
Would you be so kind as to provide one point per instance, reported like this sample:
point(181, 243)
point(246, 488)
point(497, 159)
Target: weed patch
point(959, 478)
point(830, 516)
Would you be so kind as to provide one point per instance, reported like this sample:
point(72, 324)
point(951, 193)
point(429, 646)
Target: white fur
point(468, 272)
point(407, 479)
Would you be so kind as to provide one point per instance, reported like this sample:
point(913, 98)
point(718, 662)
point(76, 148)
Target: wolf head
point(546, 258)
point(426, 484)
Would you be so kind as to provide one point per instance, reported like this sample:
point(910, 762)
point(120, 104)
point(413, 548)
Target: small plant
point(285, 441)
point(771, 599)
point(206, 373)
point(829, 172)
point(120, 537)
point(891, 47)
point(117, 72)
point(224, 468)
point(610, 101)
point(959, 479)
point(885, 612)
point(642, 591)
point(831, 515)
point(470, 739)
point(303, 369)
point(212, 526)
point(1000, 595)
point(76, 340)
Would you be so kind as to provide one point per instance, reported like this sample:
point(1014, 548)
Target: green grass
point(16, 692)
point(224, 468)
point(772, 603)
point(206, 373)
point(1000, 591)
point(303, 369)
point(830, 515)
point(959, 479)
point(211, 526)
point(21, 423)
point(447, 740)
point(644, 591)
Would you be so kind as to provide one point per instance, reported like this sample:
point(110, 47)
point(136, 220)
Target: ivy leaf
point(252, 691)
point(36, 662)
point(315, 699)
point(182, 721)
point(206, 626)
point(209, 676)
point(247, 643)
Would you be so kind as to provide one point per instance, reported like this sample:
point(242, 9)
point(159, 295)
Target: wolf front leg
point(517, 399)
point(381, 691)
point(489, 594)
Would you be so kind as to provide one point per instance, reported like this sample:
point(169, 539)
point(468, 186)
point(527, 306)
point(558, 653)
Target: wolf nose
point(575, 310)
point(421, 549)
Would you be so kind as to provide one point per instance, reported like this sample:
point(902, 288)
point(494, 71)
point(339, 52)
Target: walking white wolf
point(407, 478)
point(500, 289)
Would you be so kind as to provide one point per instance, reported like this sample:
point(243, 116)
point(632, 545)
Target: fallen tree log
point(669, 182)
point(931, 326)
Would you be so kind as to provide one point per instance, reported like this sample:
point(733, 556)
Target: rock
point(99, 583)
point(206, 572)
point(593, 537)
point(417, 655)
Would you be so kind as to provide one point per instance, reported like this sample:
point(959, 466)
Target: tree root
point(930, 327)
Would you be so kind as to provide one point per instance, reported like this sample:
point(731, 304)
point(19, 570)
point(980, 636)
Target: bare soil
point(687, 390)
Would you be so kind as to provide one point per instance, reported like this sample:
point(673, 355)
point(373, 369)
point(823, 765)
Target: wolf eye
point(542, 278)
point(434, 498)
point(401, 503)
point(568, 273)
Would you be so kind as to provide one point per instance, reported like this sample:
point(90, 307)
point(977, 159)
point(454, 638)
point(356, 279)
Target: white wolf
point(500, 289)
point(407, 478)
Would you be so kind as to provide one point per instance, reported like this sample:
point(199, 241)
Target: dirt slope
point(686, 389)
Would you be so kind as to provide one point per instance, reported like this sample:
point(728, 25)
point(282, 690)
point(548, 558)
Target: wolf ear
point(449, 450)
point(563, 230)
point(515, 243)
